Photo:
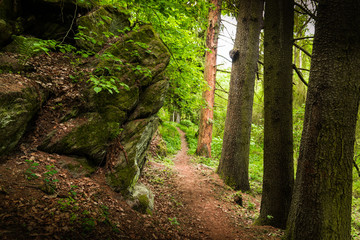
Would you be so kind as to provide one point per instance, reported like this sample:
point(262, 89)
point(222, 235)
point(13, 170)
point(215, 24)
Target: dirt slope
point(191, 202)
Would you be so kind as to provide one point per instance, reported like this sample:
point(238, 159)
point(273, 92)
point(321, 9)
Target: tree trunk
point(278, 176)
point(207, 113)
point(234, 162)
point(321, 205)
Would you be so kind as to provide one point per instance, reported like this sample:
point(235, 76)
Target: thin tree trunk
point(207, 112)
point(234, 162)
point(321, 205)
point(278, 176)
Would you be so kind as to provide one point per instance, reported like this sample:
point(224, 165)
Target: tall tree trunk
point(278, 176)
point(321, 205)
point(234, 162)
point(207, 113)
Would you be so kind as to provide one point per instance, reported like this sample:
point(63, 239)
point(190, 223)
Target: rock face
point(112, 130)
point(97, 26)
point(19, 102)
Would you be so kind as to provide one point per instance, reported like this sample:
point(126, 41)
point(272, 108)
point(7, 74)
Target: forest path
point(199, 199)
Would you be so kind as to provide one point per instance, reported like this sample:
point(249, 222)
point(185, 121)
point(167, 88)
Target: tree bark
point(207, 112)
point(321, 205)
point(234, 162)
point(278, 176)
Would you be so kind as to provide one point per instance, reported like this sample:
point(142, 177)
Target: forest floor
point(191, 202)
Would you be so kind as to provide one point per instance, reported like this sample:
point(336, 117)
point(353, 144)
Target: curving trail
point(199, 198)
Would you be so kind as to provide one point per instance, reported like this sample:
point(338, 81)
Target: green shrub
point(171, 136)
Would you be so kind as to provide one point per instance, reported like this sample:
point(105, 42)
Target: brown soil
point(191, 202)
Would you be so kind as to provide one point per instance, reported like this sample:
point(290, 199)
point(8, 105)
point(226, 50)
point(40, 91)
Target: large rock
point(141, 199)
point(6, 31)
point(124, 168)
point(19, 102)
point(151, 100)
point(143, 56)
point(118, 127)
point(98, 26)
point(86, 135)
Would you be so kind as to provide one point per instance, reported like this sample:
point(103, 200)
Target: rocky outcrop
point(114, 118)
point(96, 27)
point(19, 102)
point(119, 126)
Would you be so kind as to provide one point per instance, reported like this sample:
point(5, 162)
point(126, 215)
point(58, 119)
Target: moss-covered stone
point(94, 27)
point(6, 31)
point(19, 102)
point(88, 138)
point(151, 100)
point(121, 102)
point(136, 137)
point(23, 45)
point(143, 51)
point(141, 199)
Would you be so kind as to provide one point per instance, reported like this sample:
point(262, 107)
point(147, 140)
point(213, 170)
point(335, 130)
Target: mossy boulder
point(124, 169)
point(98, 26)
point(115, 105)
point(143, 56)
point(19, 102)
point(141, 199)
point(86, 135)
point(151, 100)
point(6, 32)
point(26, 46)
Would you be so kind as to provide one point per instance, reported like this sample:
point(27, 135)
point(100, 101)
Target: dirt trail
point(199, 198)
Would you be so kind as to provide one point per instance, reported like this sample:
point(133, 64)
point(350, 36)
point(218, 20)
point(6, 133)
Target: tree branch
point(224, 71)
point(302, 49)
point(302, 38)
point(300, 75)
point(305, 10)
point(221, 87)
point(223, 20)
point(224, 58)
point(220, 96)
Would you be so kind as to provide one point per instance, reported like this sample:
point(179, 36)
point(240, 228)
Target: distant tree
point(207, 112)
point(321, 205)
point(234, 162)
point(278, 176)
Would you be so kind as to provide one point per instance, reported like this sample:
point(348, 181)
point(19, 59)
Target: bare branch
point(302, 38)
point(224, 58)
point(221, 87)
point(307, 11)
point(302, 49)
point(220, 96)
point(223, 20)
point(300, 75)
point(224, 71)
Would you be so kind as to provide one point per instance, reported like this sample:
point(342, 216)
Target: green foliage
point(29, 172)
point(181, 25)
point(174, 221)
point(298, 119)
point(171, 136)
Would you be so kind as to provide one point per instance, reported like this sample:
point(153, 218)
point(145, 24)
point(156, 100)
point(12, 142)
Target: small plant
point(250, 206)
point(29, 172)
point(174, 221)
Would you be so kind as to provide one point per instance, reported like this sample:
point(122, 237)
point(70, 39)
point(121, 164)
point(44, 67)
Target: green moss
point(16, 110)
point(122, 179)
point(93, 26)
point(90, 139)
